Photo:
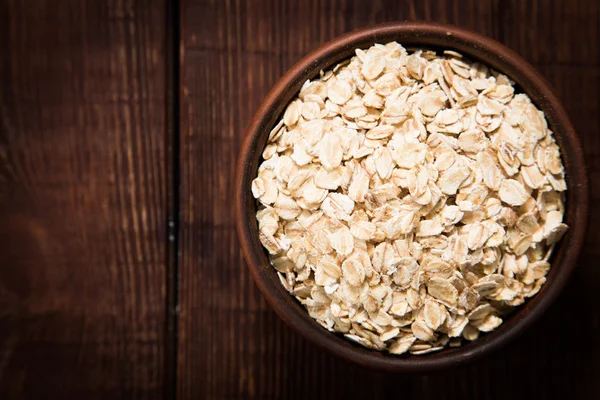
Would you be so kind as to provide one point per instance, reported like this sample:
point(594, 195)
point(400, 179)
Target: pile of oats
point(410, 200)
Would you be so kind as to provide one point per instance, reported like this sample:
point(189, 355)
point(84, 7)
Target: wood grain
point(87, 124)
point(82, 199)
point(231, 344)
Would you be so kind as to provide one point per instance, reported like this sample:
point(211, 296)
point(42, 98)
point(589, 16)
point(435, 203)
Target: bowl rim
point(428, 34)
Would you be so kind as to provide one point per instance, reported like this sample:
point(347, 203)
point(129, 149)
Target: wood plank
point(82, 199)
point(231, 344)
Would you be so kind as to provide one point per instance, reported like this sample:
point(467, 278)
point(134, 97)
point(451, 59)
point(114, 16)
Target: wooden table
point(121, 275)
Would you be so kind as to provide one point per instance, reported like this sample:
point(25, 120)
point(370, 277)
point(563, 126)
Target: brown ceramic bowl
point(411, 34)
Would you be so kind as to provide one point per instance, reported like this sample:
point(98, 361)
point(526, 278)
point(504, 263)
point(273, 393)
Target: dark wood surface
point(92, 102)
point(83, 199)
point(231, 343)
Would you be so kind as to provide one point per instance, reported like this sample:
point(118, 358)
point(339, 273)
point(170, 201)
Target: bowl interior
point(435, 37)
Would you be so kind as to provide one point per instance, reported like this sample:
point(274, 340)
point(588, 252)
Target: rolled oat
point(410, 200)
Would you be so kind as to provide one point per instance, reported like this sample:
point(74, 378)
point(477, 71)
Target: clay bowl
point(412, 34)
